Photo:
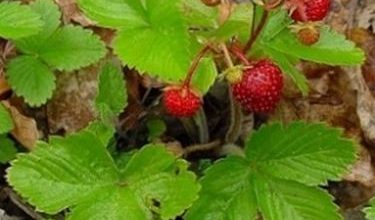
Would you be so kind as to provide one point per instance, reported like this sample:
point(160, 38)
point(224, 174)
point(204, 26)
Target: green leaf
point(370, 211)
point(156, 128)
point(278, 176)
point(199, 15)
point(238, 24)
point(31, 79)
point(72, 47)
point(332, 48)
point(159, 48)
point(112, 95)
point(63, 172)
point(282, 199)
point(77, 172)
point(278, 21)
point(6, 121)
point(18, 20)
point(288, 68)
point(226, 193)
point(102, 130)
point(67, 48)
point(301, 152)
point(50, 15)
point(110, 203)
point(8, 150)
point(205, 75)
point(114, 13)
point(205, 21)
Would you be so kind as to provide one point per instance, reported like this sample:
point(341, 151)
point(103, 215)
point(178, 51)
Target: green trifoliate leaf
point(6, 121)
point(18, 20)
point(8, 150)
point(77, 172)
point(66, 48)
point(112, 95)
point(152, 37)
point(301, 152)
point(278, 177)
point(31, 79)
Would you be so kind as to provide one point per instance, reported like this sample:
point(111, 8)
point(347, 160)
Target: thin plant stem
point(227, 58)
point(256, 33)
point(240, 55)
point(194, 65)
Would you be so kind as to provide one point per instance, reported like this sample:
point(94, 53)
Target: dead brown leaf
point(365, 103)
point(71, 12)
point(4, 86)
point(71, 108)
point(363, 171)
point(366, 16)
point(25, 129)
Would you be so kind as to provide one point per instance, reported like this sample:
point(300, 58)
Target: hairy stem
point(201, 122)
point(236, 118)
point(202, 147)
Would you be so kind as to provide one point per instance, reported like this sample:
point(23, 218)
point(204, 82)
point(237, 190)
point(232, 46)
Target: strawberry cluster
point(308, 14)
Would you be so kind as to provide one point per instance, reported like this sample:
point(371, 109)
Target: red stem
point(194, 65)
point(255, 35)
point(240, 55)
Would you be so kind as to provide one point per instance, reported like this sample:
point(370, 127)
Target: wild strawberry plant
point(54, 48)
point(183, 44)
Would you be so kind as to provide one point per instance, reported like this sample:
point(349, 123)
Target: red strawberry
point(181, 101)
point(260, 87)
point(308, 10)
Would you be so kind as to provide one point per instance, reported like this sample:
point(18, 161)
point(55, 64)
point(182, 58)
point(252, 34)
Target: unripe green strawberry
point(181, 101)
point(260, 87)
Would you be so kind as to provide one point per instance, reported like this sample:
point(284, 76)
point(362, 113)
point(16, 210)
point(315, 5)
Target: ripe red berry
point(181, 101)
point(308, 10)
point(260, 87)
